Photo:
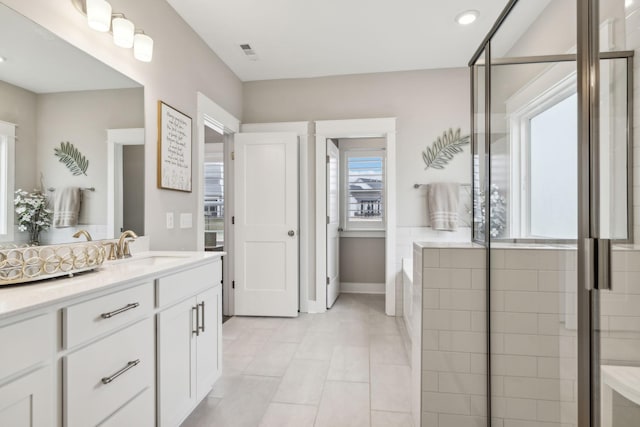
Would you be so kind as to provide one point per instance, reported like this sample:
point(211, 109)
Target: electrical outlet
point(169, 220)
point(186, 220)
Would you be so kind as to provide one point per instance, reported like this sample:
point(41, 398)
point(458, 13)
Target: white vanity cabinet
point(189, 338)
point(137, 343)
point(26, 385)
point(28, 400)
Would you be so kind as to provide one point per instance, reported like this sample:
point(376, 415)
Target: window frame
point(7, 180)
point(348, 225)
point(520, 153)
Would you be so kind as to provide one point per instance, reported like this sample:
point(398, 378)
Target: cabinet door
point(208, 342)
point(27, 401)
point(176, 362)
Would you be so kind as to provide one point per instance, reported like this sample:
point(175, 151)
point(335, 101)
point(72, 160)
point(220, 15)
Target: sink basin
point(147, 260)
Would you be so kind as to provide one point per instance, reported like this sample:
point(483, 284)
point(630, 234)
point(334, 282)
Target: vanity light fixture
point(123, 31)
point(467, 17)
point(142, 46)
point(100, 17)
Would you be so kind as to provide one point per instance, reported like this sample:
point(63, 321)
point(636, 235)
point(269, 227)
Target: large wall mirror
point(50, 93)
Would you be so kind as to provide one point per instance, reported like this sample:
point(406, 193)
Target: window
point(7, 149)
point(541, 194)
point(214, 203)
point(553, 180)
point(365, 190)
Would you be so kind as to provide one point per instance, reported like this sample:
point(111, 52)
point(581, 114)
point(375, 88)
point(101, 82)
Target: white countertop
point(15, 299)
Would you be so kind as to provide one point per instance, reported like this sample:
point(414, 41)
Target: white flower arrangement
point(32, 213)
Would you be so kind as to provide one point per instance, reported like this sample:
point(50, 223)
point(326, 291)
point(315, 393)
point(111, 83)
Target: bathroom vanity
point(136, 342)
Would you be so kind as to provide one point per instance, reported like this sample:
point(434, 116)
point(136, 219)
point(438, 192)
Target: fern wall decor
point(444, 148)
point(72, 158)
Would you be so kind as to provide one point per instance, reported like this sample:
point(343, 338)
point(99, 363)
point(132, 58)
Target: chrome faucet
point(122, 248)
point(84, 233)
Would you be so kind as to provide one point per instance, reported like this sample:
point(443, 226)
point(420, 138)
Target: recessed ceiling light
point(2, 59)
point(628, 3)
point(467, 17)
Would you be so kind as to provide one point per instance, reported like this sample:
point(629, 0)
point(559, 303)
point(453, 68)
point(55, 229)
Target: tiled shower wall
point(453, 335)
point(533, 340)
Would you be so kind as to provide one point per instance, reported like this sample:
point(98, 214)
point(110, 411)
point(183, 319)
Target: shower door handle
point(598, 259)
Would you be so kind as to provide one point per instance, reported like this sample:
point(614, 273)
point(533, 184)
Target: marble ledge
point(17, 299)
point(622, 247)
point(447, 245)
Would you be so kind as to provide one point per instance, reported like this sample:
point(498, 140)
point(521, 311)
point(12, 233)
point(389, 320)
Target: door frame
point(116, 139)
point(356, 128)
point(304, 130)
point(210, 113)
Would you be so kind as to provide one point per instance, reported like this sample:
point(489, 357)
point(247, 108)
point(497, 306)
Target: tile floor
point(343, 368)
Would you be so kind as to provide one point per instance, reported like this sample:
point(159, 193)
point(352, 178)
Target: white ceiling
point(311, 38)
point(41, 62)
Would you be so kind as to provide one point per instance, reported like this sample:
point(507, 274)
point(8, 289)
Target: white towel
point(442, 205)
point(67, 207)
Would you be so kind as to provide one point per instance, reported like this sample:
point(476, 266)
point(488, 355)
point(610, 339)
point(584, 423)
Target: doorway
point(216, 128)
point(365, 208)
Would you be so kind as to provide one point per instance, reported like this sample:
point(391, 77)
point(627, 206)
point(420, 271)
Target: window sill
point(363, 233)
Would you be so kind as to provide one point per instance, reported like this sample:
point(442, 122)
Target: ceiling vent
point(248, 51)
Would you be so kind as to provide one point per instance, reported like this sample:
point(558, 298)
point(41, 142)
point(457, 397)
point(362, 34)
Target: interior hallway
point(346, 367)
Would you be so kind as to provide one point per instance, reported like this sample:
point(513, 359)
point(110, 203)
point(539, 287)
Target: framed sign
point(174, 149)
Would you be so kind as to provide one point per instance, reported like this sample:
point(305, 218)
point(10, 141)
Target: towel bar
point(52, 189)
point(416, 186)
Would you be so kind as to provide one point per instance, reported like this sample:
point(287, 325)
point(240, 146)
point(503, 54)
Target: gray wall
point(82, 118)
point(182, 66)
point(362, 260)
point(425, 103)
point(19, 106)
point(133, 188)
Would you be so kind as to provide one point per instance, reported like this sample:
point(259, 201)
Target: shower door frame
point(589, 281)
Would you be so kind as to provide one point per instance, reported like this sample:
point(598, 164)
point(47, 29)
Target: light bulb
point(99, 15)
point(467, 17)
point(142, 47)
point(123, 30)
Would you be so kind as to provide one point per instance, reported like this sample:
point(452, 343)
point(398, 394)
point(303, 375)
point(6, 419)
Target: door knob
point(291, 233)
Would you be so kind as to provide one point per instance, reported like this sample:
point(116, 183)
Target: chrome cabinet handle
point(196, 308)
point(120, 310)
point(107, 380)
point(201, 328)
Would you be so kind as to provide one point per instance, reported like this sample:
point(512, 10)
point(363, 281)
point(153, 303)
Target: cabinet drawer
point(88, 400)
point(140, 412)
point(26, 343)
point(95, 317)
point(176, 287)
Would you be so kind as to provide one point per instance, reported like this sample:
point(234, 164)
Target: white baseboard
point(362, 288)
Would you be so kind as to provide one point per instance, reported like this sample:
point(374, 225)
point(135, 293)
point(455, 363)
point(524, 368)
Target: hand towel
point(67, 207)
point(442, 205)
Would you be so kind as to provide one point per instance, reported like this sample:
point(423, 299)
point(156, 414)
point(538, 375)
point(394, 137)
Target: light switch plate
point(169, 220)
point(186, 220)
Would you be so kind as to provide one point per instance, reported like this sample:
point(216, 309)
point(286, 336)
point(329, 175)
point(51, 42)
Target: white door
point(333, 223)
point(266, 224)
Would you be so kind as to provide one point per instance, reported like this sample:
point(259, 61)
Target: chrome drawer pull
point(202, 327)
point(107, 380)
point(120, 310)
point(197, 331)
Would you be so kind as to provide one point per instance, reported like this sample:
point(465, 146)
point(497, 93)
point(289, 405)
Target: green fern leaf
point(71, 158)
point(444, 148)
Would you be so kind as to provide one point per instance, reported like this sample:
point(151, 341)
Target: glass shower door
point(616, 304)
